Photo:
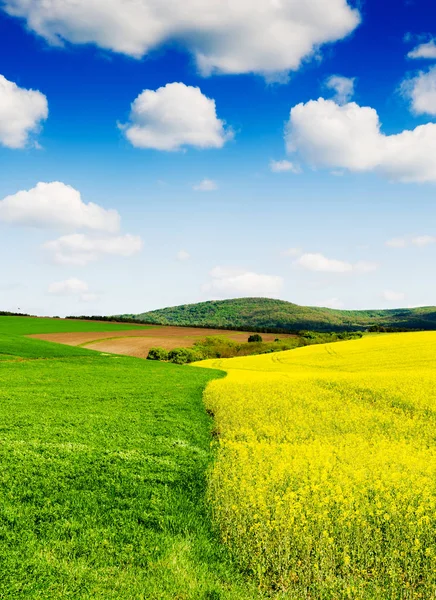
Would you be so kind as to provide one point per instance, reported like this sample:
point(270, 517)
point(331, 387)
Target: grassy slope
point(249, 313)
point(103, 479)
point(30, 325)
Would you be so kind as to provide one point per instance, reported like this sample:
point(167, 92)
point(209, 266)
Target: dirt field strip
point(137, 342)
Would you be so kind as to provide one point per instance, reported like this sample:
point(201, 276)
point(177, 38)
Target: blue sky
point(285, 187)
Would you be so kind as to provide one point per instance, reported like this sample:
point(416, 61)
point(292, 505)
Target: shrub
point(255, 338)
point(157, 354)
point(216, 347)
point(182, 356)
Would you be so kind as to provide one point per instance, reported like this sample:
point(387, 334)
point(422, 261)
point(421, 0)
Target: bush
point(216, 347)
point(157, 354)
point(182, 356)
point(255, 338)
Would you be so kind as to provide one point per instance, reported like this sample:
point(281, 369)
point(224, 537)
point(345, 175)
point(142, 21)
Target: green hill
point(265, 314)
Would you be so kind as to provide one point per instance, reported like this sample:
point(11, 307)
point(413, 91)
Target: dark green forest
point(264, 314)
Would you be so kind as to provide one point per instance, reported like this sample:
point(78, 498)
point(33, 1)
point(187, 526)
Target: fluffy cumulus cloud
point(174, 116)
point(21, 113)
point(426, 50)
point(320, 263)
point(343, 88)
point(283, 166)
point(326, 134)
point(227, 282)
point(206, 185)
point(80, 249)
point(421, 91)
point(56, 205)
point(242, 36)
point(392, 296)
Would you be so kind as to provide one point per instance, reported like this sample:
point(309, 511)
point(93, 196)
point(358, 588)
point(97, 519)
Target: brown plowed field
point(137, 342)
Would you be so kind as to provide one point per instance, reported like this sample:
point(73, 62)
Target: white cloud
point(175, 116)
point(391, 296)
point(207, 185)
point(69, 287)
point(421, 91)
point(320, 263)
point(349, 137)
point(21, 113)
point(183, 255)
point(80, 249)
point(281, 166)
point(230, 282)
point(397, 243)
point(242, 36)
point(423, 240)
point(72, 287)
point(427, 50)
point(342, 86)
point(55, 204)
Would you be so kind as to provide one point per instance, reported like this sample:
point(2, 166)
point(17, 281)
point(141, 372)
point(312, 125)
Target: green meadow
point(34, 325)
point(103, 472)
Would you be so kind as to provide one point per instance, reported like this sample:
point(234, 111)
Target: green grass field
point(30, 325)
point(102, 479)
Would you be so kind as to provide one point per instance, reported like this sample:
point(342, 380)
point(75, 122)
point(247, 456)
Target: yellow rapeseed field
point(324, 485)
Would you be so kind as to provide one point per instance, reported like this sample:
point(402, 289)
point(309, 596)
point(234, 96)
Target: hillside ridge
point(267, 314)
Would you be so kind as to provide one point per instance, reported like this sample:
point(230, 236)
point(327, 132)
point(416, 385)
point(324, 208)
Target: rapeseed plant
point(325, 480)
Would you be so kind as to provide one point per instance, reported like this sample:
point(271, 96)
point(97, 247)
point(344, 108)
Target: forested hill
point(264, 314)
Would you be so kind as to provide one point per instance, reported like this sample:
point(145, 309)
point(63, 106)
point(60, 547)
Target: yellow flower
point(327, 456)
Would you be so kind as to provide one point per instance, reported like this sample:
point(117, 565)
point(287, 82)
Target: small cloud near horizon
point(227, 282)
